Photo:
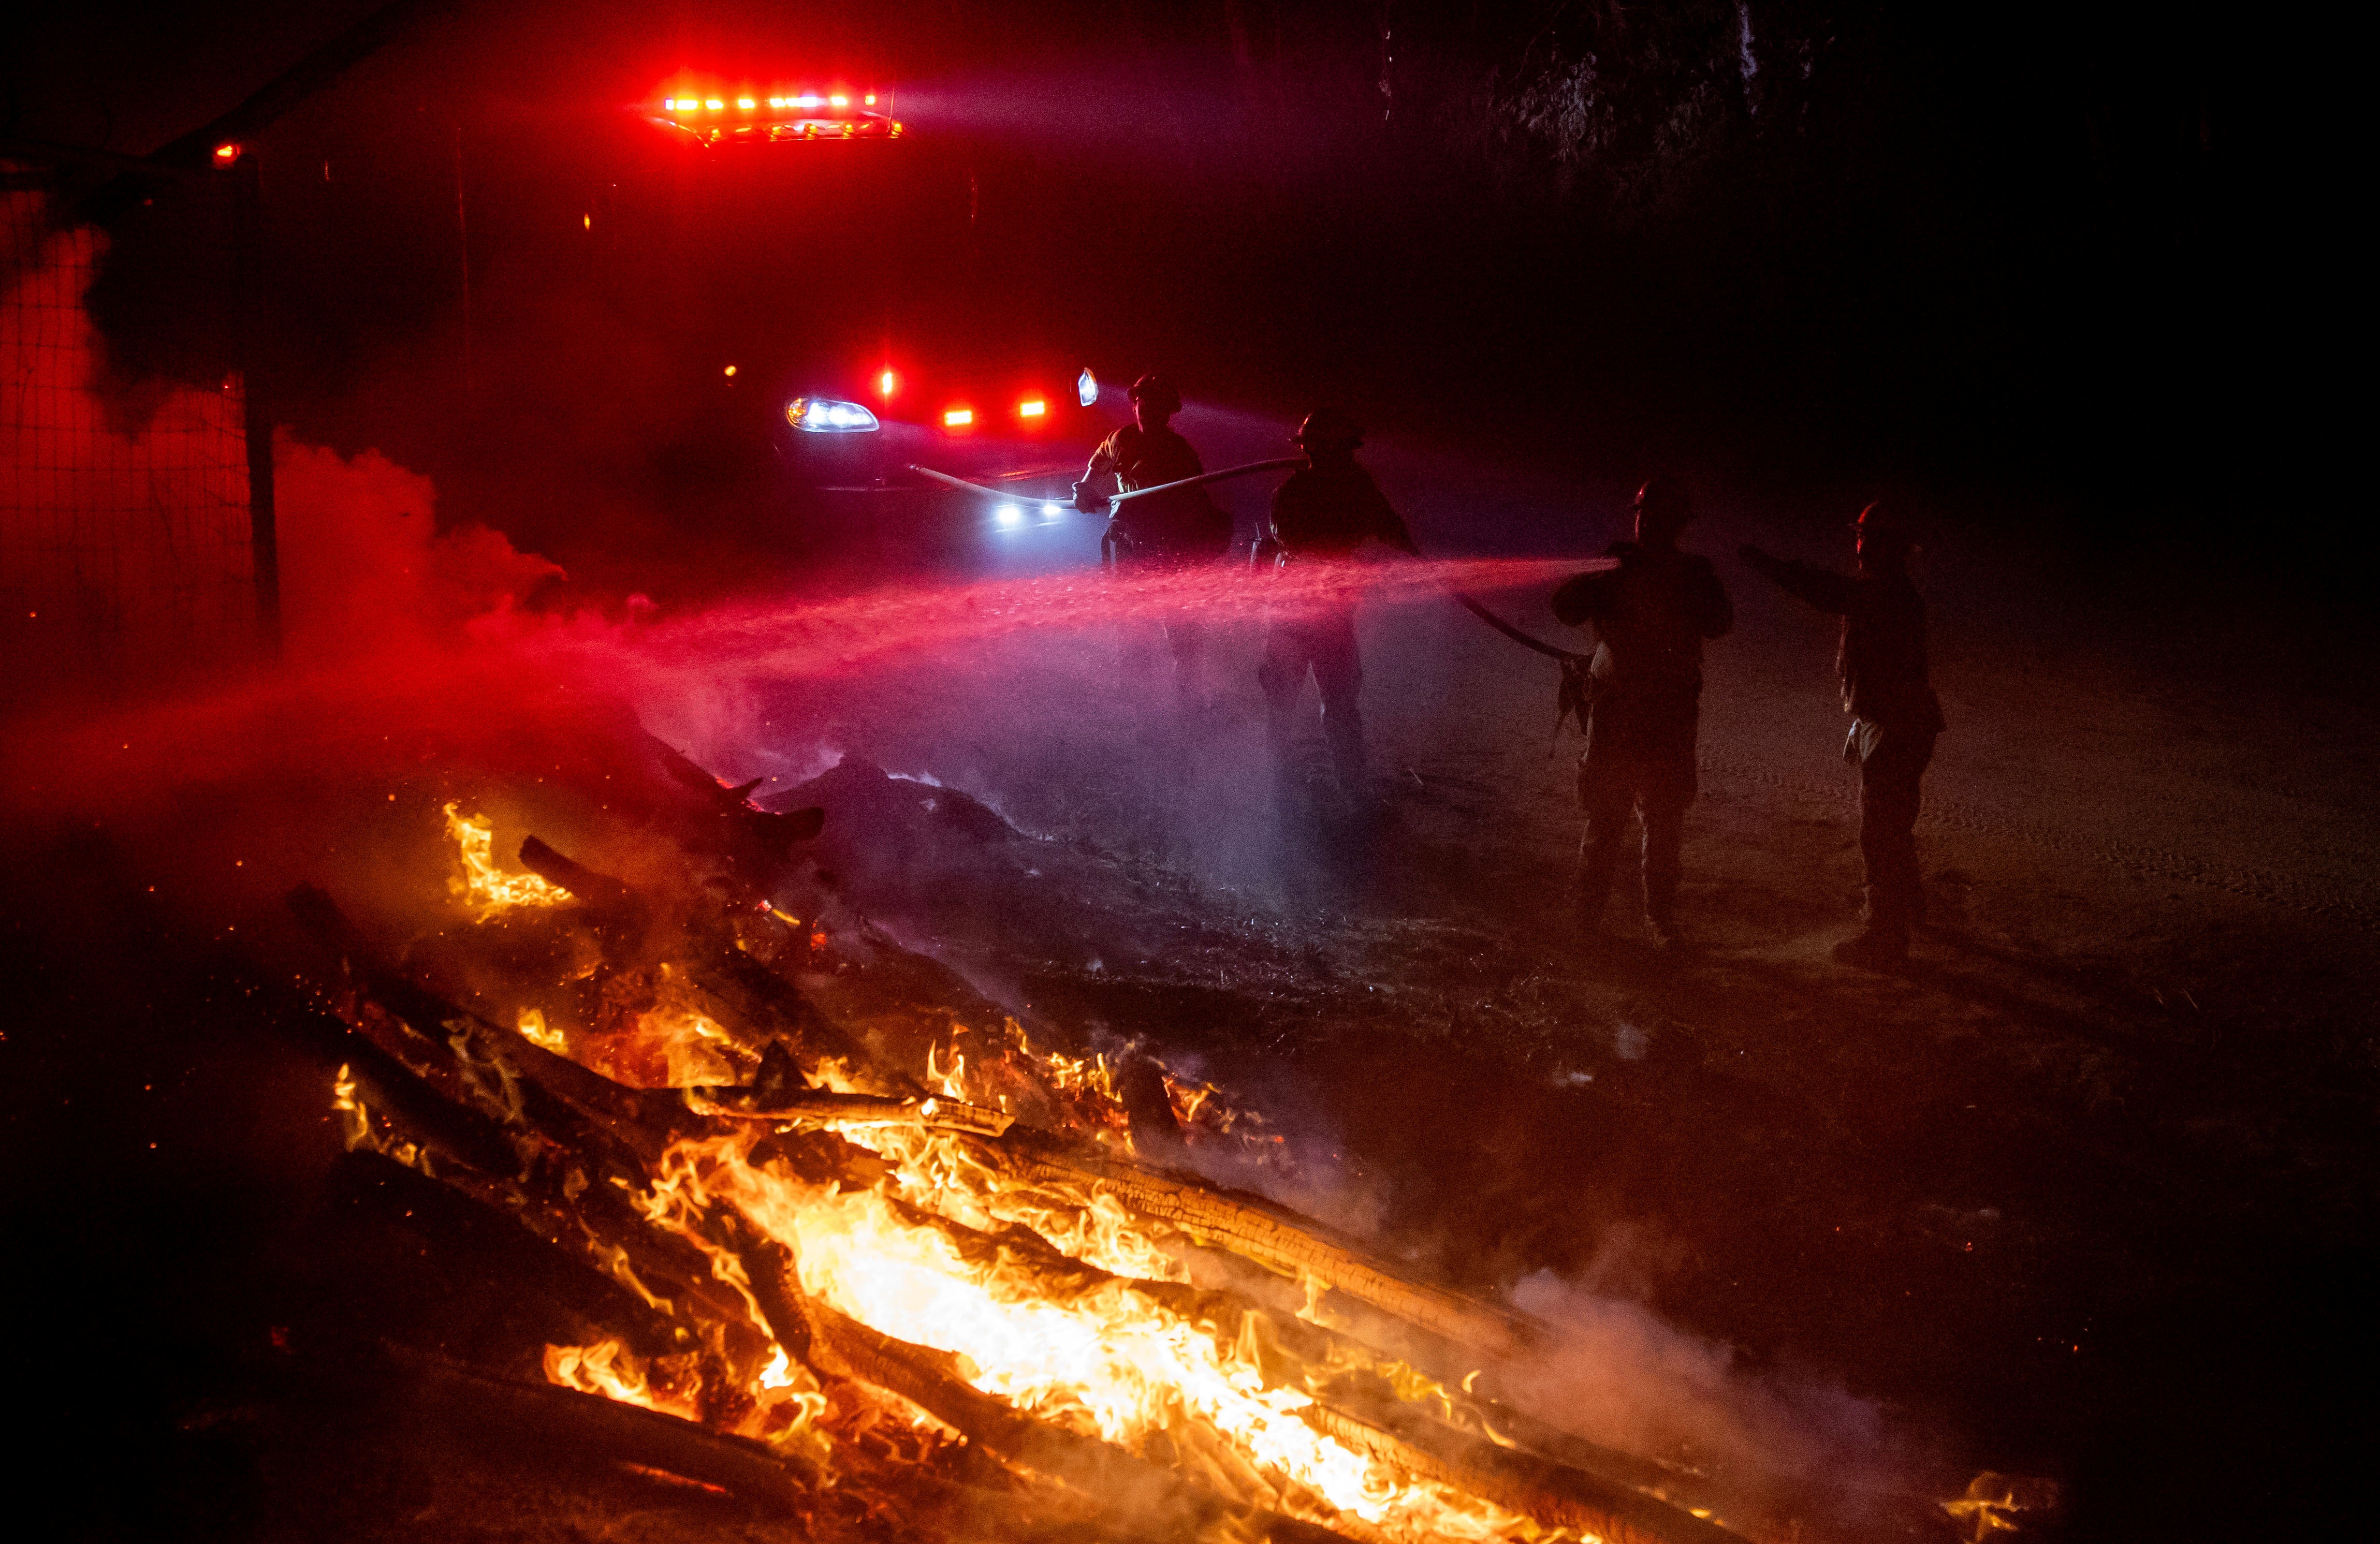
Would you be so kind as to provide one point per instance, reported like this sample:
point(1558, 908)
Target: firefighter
point(1644, 688)
point(1895, 717)
point(1173, 530)
point(1323, 513)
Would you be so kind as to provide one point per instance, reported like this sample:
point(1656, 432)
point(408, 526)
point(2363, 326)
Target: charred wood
point(593, 1426)
point(757, 837)
point(600, 892)
point(775, 1007)
point(539, 1248)
point(1521, 1481)
point(557, 1096)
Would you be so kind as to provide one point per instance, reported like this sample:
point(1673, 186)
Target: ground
point(2083, 1193)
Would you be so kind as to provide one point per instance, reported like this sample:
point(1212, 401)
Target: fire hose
point(1575, 695)
point(1572, 698)
point(1273, 466)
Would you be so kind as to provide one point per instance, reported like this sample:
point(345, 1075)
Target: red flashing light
point(227, 153)
point(886, 384)
point(745, 102)
point(1032, 407)
point(958, 418)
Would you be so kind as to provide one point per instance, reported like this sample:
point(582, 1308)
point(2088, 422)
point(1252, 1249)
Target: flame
point(1088, 1353)
point(533, 1029)
point(485, 887)
point(358, 1133)
point(608, 1368)
point(1041, 1293)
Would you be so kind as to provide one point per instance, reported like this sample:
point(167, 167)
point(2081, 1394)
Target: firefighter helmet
point(1880, 526)
point(1664, 500)
point(1156, 388)
point(1327, 429)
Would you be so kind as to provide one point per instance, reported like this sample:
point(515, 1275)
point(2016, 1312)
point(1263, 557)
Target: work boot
point(1873, 948)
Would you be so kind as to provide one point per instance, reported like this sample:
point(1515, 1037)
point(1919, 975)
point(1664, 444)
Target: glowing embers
point(778, 1406)
point(663, 1032)
point(483, 887)
point(828, 416)
point(608, 1368)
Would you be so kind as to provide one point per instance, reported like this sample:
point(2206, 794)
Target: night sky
point(2078, 262)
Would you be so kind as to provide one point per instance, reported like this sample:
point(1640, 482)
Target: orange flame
point(486, 888)
point(1099, 1359)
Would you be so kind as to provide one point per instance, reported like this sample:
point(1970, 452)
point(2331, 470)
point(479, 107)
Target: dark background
point(2072, 267)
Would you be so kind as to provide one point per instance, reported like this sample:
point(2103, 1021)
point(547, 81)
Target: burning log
point(748, 997)
point(778, 1093)
point(1360, 1408)
point(600, 891)
point(605, 1430)
point(1535, 1486)
point(816, 1334)
point(1137, 1488)
point(693, 1199)
point(1272, 1236)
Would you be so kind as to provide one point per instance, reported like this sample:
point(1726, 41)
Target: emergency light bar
point(749, 114)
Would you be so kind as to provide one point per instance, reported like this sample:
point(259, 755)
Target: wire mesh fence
point(127, 551)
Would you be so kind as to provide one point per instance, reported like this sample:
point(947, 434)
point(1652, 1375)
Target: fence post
point(262, 527)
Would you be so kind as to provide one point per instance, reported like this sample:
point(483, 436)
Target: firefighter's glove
point(1087, 501)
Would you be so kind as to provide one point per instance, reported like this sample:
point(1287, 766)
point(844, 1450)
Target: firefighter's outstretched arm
point(1821, 587)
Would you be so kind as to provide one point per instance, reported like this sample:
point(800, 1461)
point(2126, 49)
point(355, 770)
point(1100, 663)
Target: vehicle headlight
point(827, 416)
point(1087, 387)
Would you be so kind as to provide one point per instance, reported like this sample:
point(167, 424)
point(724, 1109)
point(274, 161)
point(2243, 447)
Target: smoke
point(1617, 1374)
point(363, 568)
point(123, 504)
